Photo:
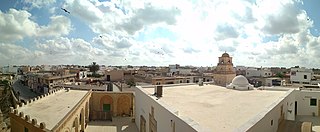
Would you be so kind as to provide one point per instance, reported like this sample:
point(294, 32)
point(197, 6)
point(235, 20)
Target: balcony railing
point(101, 115)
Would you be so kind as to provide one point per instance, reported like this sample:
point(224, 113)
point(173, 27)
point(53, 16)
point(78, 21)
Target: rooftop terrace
point(51, 109)
point(215, 107)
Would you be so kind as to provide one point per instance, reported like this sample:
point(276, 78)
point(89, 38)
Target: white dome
point(240, 81)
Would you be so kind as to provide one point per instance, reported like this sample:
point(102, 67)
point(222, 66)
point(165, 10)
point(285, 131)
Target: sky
point(256, 33)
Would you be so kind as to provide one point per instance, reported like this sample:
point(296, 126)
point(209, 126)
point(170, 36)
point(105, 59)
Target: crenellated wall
point(75, 120)
point(121, 104)
point(20, 121)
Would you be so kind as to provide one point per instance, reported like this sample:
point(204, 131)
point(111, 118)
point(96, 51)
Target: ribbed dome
point(240, 81)
point(225, 55)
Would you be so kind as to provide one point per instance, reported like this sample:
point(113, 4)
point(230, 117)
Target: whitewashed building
point(301, 75)
point(191, 108)
point(255, 72)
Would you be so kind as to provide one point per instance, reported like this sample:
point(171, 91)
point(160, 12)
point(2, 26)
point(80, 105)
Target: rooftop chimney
point(158, 91)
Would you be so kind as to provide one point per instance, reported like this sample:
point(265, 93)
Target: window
point(26, 129)
point(313, 102)
point(305, 76)
point(271, 122)
point(152, 111)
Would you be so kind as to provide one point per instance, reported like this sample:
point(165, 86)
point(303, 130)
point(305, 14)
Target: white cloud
point(255, 33)
point(39, 3)
point(14, 54)
point(15, 25)
point(284, 18)
point(59, 25)
point(85, 10)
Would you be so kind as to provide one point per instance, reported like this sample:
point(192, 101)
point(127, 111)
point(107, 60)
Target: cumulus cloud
point(123, 43)
point(201, 29)
point(149, 15)
point(286, 19)
point(39, 3)
point(223, 48)
point(190, 50)
point(59, 25)
point(85, 10)
point(13, 54)
point(225, 31)
point(15, 25)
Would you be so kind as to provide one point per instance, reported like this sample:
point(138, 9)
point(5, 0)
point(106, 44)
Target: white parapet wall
point(167, 118)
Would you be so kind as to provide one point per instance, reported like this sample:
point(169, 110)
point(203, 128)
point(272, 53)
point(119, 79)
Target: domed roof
point(225, 55)
point(240, 80)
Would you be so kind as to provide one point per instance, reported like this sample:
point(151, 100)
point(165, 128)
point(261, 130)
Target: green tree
point(6, 100)
point(6, 85)
point(279, 74)
point(94, 67)
point(131, 82)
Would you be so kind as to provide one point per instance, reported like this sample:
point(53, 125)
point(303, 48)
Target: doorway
point(106, 107)
point(142, 124)
point(108, 78)
point(318, 107)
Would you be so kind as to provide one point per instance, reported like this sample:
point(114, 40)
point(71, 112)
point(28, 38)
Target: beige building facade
point(114, 75)
point(224, 72)
point(104, 105)
point(170, 80)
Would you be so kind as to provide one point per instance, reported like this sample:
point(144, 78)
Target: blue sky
point(115, 32)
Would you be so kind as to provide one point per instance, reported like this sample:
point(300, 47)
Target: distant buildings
point(177, 70)
point(224, 72)
point(114, 75)
point(9, 69)
point(301, 75)
point(258, 72)
point(170, 80)
point(46, 82)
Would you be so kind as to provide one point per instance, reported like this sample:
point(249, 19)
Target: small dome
point(240, 81)
point(225, 55)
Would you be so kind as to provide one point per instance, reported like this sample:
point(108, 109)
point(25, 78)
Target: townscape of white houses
point(165, 99)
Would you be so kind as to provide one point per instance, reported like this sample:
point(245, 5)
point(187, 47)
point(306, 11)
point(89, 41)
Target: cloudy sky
point(160, 32)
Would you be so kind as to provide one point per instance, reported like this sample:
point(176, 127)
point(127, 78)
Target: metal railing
point(101, 115)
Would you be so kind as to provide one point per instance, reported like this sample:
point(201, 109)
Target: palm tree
point(94, 67)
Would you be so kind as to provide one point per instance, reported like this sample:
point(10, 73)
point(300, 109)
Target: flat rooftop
point(51, 109)
point(215, 107)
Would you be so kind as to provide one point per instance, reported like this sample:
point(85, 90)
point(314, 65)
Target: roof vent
point(200, 82)
point(158, 91)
